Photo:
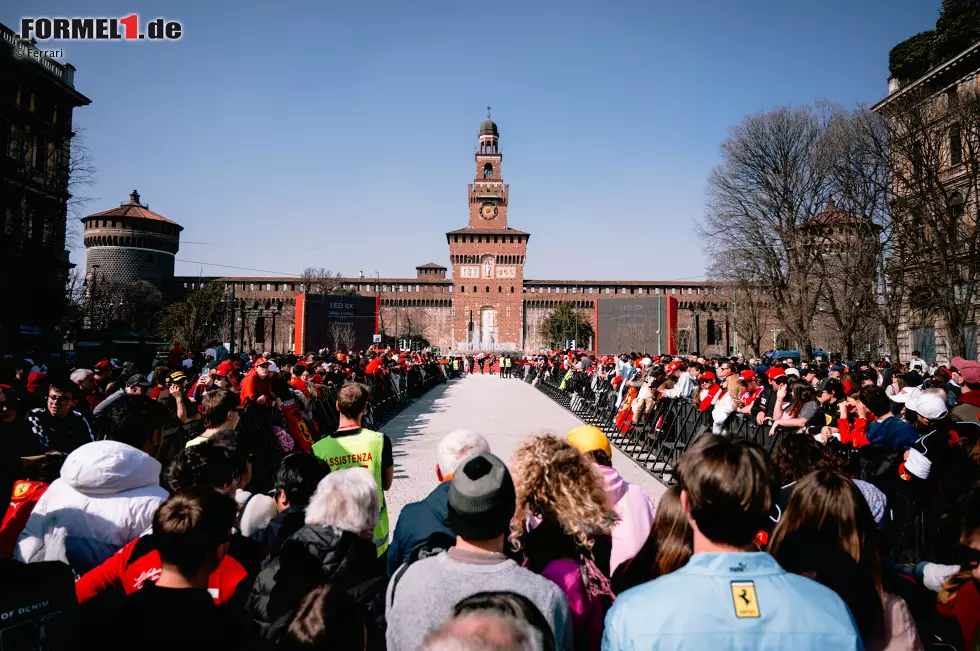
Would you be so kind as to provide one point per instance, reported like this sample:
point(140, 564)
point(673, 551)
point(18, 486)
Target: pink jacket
point(635, 511)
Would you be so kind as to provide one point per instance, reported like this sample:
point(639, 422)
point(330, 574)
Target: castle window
point(511, 290)
point(487, 169)
point(488, 289)
point(475, 290)
point(462, 288)
point(251, 287)
point(500, 290)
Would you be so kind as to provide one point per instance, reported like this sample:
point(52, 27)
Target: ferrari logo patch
point(743, 595)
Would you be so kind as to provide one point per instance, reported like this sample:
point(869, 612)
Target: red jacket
point(253, 386)
point(139, 562)
point(23, 499)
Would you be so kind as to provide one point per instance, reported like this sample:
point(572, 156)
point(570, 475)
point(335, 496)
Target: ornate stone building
point(37, 99)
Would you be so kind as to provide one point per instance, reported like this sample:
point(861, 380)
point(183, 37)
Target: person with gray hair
point(336, 545)
point(485, 630)
point(423, 527)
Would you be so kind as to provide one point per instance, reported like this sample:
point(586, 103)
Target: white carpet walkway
point(504, 411)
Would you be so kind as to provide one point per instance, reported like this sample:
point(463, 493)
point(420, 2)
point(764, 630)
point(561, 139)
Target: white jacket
point(106, 497)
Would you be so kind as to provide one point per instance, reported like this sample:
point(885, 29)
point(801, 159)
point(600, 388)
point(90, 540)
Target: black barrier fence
point(391, 392)
point(657, 445)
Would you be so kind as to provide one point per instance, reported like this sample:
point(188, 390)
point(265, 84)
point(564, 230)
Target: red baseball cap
point(746, 375)
point(775, 372)
point(708, 375)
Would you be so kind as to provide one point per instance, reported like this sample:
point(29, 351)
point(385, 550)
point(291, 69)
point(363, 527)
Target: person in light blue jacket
point(727, 598)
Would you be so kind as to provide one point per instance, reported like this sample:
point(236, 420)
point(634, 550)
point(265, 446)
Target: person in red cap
point(707, 392)
point(753, 389)
point(257, 385)
point(966, 373)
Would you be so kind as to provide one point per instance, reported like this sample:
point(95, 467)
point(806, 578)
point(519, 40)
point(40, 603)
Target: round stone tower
point(131, 243)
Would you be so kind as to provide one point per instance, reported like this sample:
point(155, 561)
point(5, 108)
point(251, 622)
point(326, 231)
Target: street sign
point(377, 339)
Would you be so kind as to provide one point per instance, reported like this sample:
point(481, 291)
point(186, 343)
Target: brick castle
point(486, 304)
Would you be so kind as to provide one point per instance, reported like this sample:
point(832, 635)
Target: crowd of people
point(216, 505)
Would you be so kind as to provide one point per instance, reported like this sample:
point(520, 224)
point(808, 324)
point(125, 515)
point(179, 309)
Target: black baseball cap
point(137, 380)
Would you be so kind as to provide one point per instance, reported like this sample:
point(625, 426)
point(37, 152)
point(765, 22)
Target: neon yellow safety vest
point(507, 362)
point(364, 450)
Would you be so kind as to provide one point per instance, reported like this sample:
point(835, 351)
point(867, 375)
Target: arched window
point(488, 289)
point(500, 290)
point(487, 171)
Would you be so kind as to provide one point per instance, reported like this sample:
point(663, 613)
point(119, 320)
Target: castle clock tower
point(488, 259)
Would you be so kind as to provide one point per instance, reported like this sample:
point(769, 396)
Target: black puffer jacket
point(309, 558)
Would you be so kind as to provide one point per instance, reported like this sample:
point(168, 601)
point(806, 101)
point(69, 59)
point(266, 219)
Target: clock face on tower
point(488, 210)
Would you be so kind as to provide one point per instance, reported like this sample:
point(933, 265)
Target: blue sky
point(341, 134)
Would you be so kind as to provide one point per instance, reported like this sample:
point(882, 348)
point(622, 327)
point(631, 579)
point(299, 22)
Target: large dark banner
point(632, 325)
point(338, 322)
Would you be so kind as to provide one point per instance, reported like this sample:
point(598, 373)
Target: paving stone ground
point(505, 411)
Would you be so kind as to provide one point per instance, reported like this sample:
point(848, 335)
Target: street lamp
point(697, 331)
point(275, 312)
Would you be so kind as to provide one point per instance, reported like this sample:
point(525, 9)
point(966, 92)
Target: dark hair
point(802, 394)
point(513, 605)
point(668, 547)
point(133, 420)
point(231, 442)
point(876, 400)
point(728, 487)
point(190, 526)
point(797, 455)
point(65, 386)
point(826, 514)
point(601, 458)
point(298, 476)
point(352, 399)
point(217, 405)
point(202, 464)
point(298, 370)
point(326, 618)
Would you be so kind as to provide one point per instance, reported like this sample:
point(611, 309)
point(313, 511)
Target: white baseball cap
point(903, 396)
point(927, 405)
point(646, 361)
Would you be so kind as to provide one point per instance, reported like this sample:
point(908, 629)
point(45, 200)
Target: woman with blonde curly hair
point(562, 526)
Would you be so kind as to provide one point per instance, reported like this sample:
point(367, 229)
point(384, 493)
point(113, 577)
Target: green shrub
point(912, 58)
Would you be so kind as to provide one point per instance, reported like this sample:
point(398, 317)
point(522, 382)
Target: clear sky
point(341, 134)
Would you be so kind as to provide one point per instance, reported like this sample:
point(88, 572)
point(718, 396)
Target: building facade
point(943, 104)
point(37, 99)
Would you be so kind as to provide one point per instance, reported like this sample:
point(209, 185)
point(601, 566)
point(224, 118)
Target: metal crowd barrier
point(657, 443)
point(391, 392)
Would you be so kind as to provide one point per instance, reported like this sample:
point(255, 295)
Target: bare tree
point(773, 179)
point(346, 336)
point(318, 280)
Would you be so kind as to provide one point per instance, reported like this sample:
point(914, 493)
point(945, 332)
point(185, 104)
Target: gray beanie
point(481, 498)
